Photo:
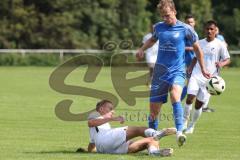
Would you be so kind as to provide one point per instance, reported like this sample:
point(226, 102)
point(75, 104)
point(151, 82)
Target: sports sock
point(152, 123)
point(149, 132)
point(205, 105)
point(178, 115)
point(196, 114)
point(184, 92)
point(153, 150)
point(187, 111)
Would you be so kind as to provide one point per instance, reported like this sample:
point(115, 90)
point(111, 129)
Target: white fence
point(61, 52)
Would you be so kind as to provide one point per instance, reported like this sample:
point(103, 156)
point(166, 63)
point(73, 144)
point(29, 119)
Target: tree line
point(72, 24)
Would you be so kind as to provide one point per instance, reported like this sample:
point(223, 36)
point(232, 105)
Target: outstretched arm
point(149, 43)
point(106, 118)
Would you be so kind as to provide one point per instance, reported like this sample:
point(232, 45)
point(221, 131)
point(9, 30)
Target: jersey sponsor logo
point(168, 46)
point(176, 35)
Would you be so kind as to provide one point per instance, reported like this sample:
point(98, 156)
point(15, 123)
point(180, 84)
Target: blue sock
point(184, 92)
point(178, 115)
point(152, 123)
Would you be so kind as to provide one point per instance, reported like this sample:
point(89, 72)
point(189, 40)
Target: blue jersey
point(220, 37)
point(172, 41)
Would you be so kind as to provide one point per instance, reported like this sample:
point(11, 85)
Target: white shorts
point(112, 141)
point(198, 88)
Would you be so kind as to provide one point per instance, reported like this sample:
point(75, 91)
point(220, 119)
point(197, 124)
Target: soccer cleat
point(166, 152)
point(189, 130)
point(165, 132)
point(181, 139)
point(207, 109)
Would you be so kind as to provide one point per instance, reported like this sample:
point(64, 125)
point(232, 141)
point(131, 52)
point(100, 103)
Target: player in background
point(189, 53)
point(151, 55)
point(220, 37)
point(105, 139)
point(169, 71)
point(216, 56)
point(205, 107)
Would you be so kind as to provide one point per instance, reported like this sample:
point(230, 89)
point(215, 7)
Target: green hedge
point(14, 59)
point(43, 59)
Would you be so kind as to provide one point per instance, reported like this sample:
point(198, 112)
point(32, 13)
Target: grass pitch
point(29, 128)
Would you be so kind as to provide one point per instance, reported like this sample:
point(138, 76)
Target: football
point(215, 85)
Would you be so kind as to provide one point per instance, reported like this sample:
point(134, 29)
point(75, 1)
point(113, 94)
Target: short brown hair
point(211, 22)
point(189, 16)
point(166, 3)
point(102, 103)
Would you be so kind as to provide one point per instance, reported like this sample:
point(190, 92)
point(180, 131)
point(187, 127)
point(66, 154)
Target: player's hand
point(119, 118)
point(140, 54)
point(218, 64)
point(206, 74)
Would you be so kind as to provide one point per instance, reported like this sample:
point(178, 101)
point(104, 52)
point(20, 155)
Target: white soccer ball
point(215, 85)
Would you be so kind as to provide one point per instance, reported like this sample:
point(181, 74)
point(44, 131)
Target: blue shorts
point(161, 85)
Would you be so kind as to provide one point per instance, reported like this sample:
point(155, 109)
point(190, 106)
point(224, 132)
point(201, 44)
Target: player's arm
point(189, 48)
point(223, 63)
point(106, 118)
point(92, 148)
point(149, 43)
point(191, 66)
point(225, 57)
point(199, 53)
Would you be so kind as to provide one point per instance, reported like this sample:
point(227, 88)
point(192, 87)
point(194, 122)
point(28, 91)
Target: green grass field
point(29, 128)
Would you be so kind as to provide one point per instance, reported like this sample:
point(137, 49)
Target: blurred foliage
point(72, 24)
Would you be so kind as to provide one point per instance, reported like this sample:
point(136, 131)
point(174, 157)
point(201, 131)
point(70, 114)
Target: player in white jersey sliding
point(105, 139)
point(215, 57)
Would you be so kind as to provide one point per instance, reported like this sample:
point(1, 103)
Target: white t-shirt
point(214, 51)
point(92, 130)
point(151, 53)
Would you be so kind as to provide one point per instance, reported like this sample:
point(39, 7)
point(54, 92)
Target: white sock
point(153, 150)
point(179, 133)
point(187, 111)
point(205, 104)
point(149, 132)
point(196, 114)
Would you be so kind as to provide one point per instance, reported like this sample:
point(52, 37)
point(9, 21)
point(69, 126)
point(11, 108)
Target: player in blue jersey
point(189, 53)
point(169, 72)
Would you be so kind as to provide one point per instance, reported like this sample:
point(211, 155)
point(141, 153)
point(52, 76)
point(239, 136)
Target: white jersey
point(106, 139)
point(151, 53)
point(214, 51)
point(93, 130)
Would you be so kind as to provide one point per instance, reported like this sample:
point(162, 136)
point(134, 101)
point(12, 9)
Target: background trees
point(91, 23)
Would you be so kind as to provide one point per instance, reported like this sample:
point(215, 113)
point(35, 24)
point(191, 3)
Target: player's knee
point(154, 109)
point(189, 100)
point(154, 113)
point(198, 104)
